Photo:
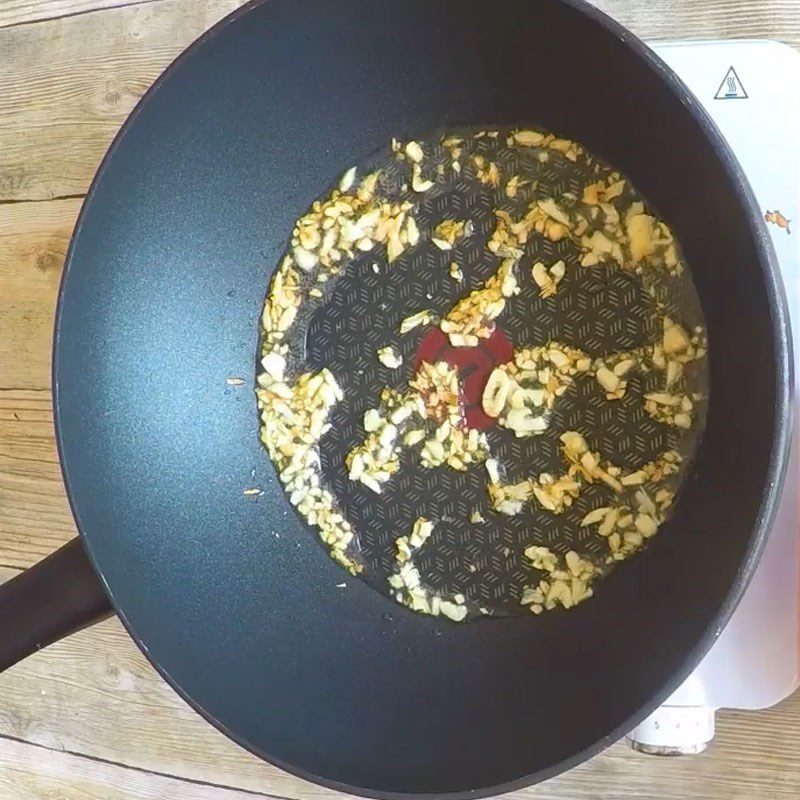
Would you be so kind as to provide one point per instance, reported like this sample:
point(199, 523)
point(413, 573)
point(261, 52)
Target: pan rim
point(777, 467)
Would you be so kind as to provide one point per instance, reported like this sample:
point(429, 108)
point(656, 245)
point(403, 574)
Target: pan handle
point(56, 597)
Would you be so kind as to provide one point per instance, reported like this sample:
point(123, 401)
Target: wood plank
point(703, 20)
point(96, 694)
point(67, 84)
point(34, 514)
point(29, 773)
point(19, 12)
point(708, 19)
point(33, 242)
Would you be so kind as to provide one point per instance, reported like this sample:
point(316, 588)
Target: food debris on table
point(776, 218)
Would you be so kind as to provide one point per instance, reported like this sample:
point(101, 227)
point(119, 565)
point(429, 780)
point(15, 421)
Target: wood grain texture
point(29, 773)
point(66, 85)
point(19, 12)
point(33, 242)
point(34, 514)
point(708, 19)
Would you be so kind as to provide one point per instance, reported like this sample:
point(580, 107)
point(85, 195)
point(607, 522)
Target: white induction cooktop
point(752, 91)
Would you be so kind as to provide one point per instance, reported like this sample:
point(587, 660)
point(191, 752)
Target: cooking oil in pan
point(483, 372)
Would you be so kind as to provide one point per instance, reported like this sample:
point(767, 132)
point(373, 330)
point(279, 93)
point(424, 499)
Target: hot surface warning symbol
point(731, 87)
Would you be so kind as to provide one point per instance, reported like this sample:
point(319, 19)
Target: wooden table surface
point(89, 719)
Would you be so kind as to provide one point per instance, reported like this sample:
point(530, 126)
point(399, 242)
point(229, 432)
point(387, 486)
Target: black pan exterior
point(229, 595)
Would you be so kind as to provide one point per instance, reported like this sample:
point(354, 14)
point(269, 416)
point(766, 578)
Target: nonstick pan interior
point(601, 311)
point(228, 593)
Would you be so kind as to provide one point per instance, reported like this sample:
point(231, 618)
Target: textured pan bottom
point(438, 238)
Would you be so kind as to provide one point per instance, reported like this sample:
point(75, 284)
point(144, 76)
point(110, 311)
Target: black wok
point(231, 597)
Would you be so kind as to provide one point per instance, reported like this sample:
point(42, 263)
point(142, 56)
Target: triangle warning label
point(731, 87)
